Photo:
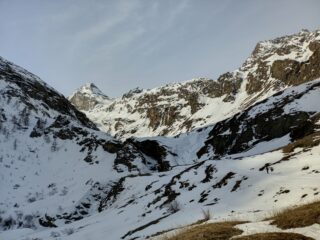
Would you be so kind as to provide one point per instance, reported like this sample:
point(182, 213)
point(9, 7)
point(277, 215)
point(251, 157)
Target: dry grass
point(210, 231)
point(306, 142)
point(274, 236)
point(296, 217)
point(207, 214)
point(301, 216)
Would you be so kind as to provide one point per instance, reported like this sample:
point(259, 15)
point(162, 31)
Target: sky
point(123, 44)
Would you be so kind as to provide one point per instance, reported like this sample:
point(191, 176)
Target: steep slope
point(177, 108)
point(52, 158)
point(62, 179)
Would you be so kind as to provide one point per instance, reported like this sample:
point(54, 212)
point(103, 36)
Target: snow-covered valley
point(255, 151)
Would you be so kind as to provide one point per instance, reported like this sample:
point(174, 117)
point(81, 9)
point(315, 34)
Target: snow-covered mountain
point(181, 107)
point(88, 96)
point(52, 157)
point(62, 178)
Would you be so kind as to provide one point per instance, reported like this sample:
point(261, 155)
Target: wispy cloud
point(121, 44)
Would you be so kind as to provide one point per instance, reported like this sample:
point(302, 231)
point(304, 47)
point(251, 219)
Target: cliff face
point(181, 107)
point(284, 61)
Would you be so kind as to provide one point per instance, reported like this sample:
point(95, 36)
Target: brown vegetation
point(210, 231)
point(296, 217)
point(305, 142)
point(274, 236)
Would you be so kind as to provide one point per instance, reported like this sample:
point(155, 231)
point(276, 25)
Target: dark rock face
point(243, 131)
point(33, 89)
point(227, 84)
point(112, 194)
point(47, 221)
point(293, 72)
point(258, 80)
point(112, 147)
point(159, 116)
point(224, 180)
point(154, 150)
point(151, 148)
point(130, 157)
point(305, 128)
point(288, 71)
point(261, 128)
point(133, 153)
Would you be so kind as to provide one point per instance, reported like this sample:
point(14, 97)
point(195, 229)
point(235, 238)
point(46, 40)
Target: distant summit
point(88, 96)
point(91, 88)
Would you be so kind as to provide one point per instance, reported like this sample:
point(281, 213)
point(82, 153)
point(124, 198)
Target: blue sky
point(122, 44)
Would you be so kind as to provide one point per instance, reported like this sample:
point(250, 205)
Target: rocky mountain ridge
point(181, 107)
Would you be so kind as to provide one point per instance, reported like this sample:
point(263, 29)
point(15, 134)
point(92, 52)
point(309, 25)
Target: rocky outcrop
point(148, 154)
point(176, 108)
point(292, 72)
point(154, 150)
point(87, 97)
point(246, 129)
point(227, 85)
point(289, 60)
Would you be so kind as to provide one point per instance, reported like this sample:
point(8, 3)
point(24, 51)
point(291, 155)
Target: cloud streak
point(121, 44)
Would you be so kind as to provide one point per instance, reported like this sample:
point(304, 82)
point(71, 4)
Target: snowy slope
point(52, 158)
point(181, 107)
point(62, 179)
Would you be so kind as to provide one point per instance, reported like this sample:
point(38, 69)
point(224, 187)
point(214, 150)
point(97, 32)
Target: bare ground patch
point(274, 236)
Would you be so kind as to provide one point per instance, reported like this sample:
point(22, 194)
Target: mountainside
point(52, 157)
point(63, 179)
point(88, 96)
point(181, 107)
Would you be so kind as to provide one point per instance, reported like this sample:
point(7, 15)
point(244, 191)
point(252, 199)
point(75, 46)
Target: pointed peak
point(89, 85)
point(91, 89)
point(88, 96)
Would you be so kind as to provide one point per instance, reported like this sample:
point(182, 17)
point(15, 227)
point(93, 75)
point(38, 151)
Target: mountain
point(52, 157)
point(62, 178)
point(181, 107)
point(88, 96)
